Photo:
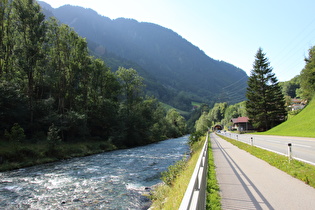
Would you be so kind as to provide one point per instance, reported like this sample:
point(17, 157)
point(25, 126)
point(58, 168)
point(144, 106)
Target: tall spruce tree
point(265, 105)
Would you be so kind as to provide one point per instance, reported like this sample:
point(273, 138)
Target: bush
point(16, 134)
point(53, 137)
point(194, 137)
point(173, 171)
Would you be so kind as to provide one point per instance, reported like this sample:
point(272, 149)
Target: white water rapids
point(111, 180)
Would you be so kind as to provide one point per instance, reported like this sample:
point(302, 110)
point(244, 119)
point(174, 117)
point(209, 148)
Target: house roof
point(296, 100)
point(240, 120)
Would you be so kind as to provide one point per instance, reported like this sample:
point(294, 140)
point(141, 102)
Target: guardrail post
point(290, 151)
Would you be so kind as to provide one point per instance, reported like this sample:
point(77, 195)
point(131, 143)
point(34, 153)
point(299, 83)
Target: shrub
point(173, 171)
point(53, 137)
point(194, 137)
point(16, 134)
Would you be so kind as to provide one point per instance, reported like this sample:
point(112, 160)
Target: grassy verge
point(301, 125)
point(213, 190)
point(13, 156)
point(297, 169)
point(170, 196)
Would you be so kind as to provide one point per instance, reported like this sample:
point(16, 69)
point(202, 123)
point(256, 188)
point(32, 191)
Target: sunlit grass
point(197, 104)
point(302, 125)
point(213, 190)
point(168, 107)
point(170, 197)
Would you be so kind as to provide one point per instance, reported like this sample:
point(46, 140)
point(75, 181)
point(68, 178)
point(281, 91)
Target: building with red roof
point(241, 124)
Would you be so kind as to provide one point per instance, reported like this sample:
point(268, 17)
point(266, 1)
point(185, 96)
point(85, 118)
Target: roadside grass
point(301, 125)
point(213, 190)
point(170, 196)
point(300, 170)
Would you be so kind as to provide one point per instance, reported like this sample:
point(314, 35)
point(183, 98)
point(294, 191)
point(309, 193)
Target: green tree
point(177, 124)
point(234, 111)
point(265, 105)
point(17, 133)
point(202, 124)
point(289, 88)
point(216, 114)
point(13, 106)
point(7, 39)
point(131, 84)
point(308, 75)
point(32, 28)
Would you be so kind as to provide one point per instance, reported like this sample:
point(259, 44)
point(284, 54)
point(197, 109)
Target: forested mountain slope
point(167, 58)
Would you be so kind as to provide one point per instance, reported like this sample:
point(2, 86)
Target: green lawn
point(302, 125)
point(168, 107)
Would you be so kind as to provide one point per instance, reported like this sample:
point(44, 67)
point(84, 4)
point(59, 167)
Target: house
point(297, 104)
point(241, 124)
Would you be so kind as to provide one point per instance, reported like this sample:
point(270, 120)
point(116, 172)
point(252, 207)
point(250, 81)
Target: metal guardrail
point(195, 195)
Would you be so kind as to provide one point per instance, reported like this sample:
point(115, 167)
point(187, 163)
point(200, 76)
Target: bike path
point(247, 182)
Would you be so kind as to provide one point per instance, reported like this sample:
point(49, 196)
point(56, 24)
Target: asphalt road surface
point(247, 182)
point(302, 148)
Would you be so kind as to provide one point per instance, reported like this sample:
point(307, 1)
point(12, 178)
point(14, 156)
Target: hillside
point(303, 124)
point(170, 60)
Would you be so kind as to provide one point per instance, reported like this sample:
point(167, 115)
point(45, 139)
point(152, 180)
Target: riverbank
point(170, 196)
point(109, 180)
point(14, 156)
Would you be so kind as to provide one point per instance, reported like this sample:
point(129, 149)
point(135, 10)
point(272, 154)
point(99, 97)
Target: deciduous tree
point(308, 75)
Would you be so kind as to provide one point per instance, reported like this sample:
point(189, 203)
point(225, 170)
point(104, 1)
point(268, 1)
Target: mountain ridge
point(172, 60)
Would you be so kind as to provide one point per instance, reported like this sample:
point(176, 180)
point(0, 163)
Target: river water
point(111, 180)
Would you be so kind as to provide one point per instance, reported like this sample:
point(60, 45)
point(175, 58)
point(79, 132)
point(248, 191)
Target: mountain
point(171, 65)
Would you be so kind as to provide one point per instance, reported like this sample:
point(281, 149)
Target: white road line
point(301, 145)
point(272, 141)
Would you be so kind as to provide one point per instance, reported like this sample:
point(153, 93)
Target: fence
point(195, 195)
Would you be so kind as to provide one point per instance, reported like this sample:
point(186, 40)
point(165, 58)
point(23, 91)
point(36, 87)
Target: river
point(110, 180)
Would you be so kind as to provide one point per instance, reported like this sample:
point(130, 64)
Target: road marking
point(301, 145)
point(272, 141)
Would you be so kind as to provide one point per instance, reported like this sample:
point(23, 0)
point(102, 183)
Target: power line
point(235, 82)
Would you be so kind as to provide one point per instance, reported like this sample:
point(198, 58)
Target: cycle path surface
point(247, 182)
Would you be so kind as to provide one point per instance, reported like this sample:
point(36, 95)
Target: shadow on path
point(237, 190)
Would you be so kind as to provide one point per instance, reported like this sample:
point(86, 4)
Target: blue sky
point(227, 30)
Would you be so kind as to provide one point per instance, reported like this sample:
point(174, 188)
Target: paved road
point(247, 182)
point(302, 148)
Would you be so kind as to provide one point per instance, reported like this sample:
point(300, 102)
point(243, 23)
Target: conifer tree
point(265, 103)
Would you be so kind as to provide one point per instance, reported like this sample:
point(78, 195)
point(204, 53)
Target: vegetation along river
point(111, 180)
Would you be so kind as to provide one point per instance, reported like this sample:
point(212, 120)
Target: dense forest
point(175, 71)
point(53, 91)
